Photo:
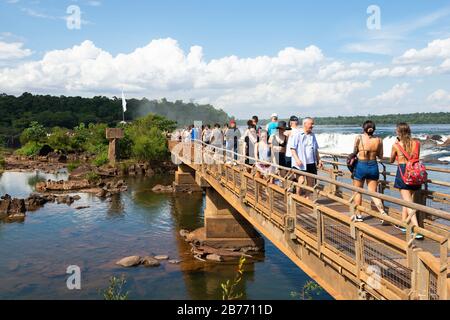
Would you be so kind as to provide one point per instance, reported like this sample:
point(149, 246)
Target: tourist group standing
point(282, 146)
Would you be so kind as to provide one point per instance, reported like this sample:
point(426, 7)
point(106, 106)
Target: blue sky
point(254, 32)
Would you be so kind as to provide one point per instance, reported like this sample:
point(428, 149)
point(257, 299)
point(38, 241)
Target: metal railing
point(386, 264)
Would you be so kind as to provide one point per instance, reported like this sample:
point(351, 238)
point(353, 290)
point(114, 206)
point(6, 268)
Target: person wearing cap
point(294, 129)
point(232, 136)
point(271, 127)
point(278, 143)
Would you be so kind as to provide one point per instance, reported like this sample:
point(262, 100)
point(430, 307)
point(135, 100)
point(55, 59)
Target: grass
point(310, 290)
point(73, 165)
point(115, 290)
point(229, 291)
point(91, 177)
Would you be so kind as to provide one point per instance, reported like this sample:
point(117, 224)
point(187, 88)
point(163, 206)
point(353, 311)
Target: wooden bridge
point(350, 260)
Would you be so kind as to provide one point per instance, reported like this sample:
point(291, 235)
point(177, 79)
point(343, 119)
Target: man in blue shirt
point(271, 127)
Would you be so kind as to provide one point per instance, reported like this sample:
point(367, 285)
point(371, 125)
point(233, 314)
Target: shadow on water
point(34, 254)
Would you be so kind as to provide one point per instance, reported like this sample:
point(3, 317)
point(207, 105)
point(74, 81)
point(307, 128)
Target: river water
point(35, 254)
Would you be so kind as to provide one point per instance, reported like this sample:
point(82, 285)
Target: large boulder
point(128, 262)
point(45, 150)
point(149, 261)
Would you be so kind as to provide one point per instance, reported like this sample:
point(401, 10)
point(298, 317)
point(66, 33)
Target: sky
point(253, 57)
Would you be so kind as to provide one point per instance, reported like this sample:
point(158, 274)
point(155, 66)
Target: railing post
point(421, 277)
point(442, 276)
point(319, 225)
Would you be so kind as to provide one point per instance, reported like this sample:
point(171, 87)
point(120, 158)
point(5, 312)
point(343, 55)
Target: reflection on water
point(34, 255)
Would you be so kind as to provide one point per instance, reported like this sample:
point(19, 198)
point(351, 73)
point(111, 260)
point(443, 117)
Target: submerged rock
point(162, 257)
point(131, 261)
point(162, 189)
point(174, 261)
point(149, 261)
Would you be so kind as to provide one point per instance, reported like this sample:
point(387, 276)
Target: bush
point(31, 148)
point(151, 146)
point(34, 133)
point(92, 177)
point(60, 140)
point(2, 162)
point(101, 159)
point(73, 165)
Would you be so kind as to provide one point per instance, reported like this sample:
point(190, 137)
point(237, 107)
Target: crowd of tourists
point(280, 146)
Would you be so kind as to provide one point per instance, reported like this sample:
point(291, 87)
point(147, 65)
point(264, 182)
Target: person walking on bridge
point(294, 129)
point(305, 152)
point(368, 148)
point(271, 127)
point(278, 142)
point(250, 140)
point(232, 136)
point(404, 150)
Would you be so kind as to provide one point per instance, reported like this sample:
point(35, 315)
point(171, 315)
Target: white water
point(343, 143)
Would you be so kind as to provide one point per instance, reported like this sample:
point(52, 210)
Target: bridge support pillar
point(226, 228)
point(185, 179)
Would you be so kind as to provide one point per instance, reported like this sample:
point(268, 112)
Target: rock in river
point(162, 189)
point(162, 257)
point(150, 262)
point(129, 261)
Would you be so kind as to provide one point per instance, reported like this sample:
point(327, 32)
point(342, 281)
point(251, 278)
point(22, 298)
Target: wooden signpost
point(113, 134)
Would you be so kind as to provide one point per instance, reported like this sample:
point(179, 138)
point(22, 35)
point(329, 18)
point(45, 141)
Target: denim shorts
point(366, 170)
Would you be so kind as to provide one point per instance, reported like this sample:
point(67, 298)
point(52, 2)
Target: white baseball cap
point(274, 115)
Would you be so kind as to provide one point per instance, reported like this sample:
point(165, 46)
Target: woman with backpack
point(411, 173)
point(367, 149)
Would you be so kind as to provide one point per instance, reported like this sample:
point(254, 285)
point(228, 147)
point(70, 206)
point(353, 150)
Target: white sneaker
point(359, 218)
point(383, 223)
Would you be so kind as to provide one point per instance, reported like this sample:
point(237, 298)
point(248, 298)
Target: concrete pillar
point(185, 179)
point(113, 134)
point(225, 227)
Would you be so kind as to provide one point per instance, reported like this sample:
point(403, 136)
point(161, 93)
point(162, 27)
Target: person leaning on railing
point(367, 147)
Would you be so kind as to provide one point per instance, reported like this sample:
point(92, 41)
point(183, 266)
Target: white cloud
point(439, 96)
point(13, 50)
point(94, 3)
point(437, 49)
point(291, 79)
point(393, 96)
point(163, 68)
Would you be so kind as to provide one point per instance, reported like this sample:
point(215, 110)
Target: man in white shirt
point(305, 151)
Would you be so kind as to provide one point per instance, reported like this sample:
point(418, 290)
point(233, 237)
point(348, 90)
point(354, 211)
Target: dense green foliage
point(144, 139)
point(17, 113)
point(115, 290)
point(2, 160)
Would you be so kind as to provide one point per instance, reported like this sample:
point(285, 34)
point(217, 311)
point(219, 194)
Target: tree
point(34, 133)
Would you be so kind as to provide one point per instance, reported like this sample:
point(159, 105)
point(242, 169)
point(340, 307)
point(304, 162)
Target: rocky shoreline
point(14, 209)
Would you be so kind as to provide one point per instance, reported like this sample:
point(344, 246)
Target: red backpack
point(415, 172)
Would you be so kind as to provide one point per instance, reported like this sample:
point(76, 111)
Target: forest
point(17, 113)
